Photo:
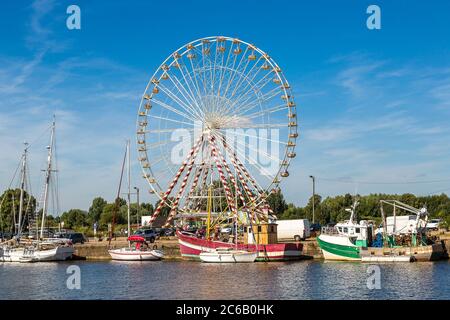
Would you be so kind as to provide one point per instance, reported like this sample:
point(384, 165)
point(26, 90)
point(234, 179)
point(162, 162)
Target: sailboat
point(138, 249)
point(21, 249)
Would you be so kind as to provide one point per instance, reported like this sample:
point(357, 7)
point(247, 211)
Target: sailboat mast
point(48, 172)
point(129, 187)
point(22, 189)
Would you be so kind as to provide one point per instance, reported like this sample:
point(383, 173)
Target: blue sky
point(374, 105)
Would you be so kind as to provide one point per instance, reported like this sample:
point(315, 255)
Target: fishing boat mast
point(48, 172)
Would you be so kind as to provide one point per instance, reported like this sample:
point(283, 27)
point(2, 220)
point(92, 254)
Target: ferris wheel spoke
point(245, 76)
point(250, 136)
point(174, 79)
point(235, 69)
point(197, 86)
point(255, 162)
point(173, 109)
point(256, 88)
point(172, 120)
point(224, 69)
point(159, 143)
point(181, 103)
point(194, 84)
point(260, 151)
point(280, 107)
point(204, 70)
point(250, 80)
point(262, 99)
point(169, 130)
point(260, 126)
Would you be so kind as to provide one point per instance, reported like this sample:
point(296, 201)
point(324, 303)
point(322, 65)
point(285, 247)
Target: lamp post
point(137, 209)
point(314, 195)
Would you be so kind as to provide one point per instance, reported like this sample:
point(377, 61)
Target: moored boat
point(21, 249)
point(191, 247)
point(356, 241)
point(44, 251)
point(228, 255)
point(138, 251)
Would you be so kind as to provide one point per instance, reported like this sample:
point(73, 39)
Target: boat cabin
point(263, 233)
point(359, 233)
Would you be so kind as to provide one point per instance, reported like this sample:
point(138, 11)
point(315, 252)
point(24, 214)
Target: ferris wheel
point(217, 111)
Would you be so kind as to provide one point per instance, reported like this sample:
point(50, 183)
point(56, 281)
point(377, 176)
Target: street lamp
point(137, 210)
point(314, 195)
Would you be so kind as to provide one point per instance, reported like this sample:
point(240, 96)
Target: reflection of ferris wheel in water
point(239, 104)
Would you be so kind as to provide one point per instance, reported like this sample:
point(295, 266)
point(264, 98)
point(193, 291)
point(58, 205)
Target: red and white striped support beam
point(175, 179)
point(247, 190)
point(173, 211)
point(241, 168)
point(231, 176)
point(198, 173)
point(222, 175)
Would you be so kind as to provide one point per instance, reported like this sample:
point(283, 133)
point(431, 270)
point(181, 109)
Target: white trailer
point(298, 229)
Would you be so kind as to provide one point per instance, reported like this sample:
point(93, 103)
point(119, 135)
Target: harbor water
point(193, 280)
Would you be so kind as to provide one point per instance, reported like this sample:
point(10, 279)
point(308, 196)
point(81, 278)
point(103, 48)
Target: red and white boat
point(137, 252)
point(191, 247)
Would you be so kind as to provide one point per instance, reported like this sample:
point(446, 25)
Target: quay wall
point(98, 250)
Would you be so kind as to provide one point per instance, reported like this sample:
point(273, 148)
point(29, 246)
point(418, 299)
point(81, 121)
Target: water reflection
point(193, 280)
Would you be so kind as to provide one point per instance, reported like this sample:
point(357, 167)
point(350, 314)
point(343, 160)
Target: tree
point(165, 210)
point(9, 210)
point(119, 209)
point(96, 209)
point(277, 203)
point(75, 218)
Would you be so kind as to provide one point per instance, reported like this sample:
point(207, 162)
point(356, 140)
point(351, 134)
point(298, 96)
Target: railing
point(329, 230)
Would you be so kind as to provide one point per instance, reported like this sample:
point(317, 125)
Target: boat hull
point(61, 253)
point(340, 248)
point(125, 254)
point(191, 247)
point(229, 257)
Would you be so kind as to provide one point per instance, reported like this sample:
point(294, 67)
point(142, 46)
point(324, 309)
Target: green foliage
point(277, 203)
point(10, 202)
point(74, 218)
point(332, 209)
point(165, 209)
point(96, 209)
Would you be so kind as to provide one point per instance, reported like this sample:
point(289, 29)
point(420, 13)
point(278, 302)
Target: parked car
point(433, 224)
point(75, 237)
point(168, 232)
point(148, 234)
point(315, 227)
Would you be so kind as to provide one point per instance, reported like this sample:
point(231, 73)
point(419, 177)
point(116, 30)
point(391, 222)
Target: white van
point(298, 229)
